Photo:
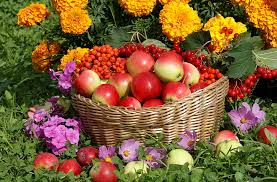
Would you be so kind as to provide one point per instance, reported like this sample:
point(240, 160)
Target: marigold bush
point(66, 5)
point(43, 55)
point(179, 20)
point(139, 7)
point(75, 21)
point(32, 14)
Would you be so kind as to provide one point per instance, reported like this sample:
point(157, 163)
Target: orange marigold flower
point(32, 14)
point(138, 7)
point(73, 55)
point(179, 20)
point(75, 21)
point(163, 2)
point(42, 56)
point(65, 5)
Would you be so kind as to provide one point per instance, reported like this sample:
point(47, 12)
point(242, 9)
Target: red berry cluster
point(104, 60)
point(266, 73)
point(196, 60)
point(128, 49)
point(209, 75)
point(177, 48)
point(229, 31)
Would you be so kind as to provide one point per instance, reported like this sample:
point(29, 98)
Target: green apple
point(133, 167)
point(180, 157)
point(227, 148)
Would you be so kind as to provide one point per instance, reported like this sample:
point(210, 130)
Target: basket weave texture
point(201, 111)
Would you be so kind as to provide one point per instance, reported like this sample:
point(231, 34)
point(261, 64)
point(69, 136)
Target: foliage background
point(21, 87)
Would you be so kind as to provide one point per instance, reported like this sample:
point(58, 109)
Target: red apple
point(225, 135)
point(174, 91)
point(130, 102)
point(139, 62)
point(262, 136)
point(191, 74)
point(153, 103)
point(46, 160)
point(146, 86)
point(103, 172)
point(70, 165)
point(86, 154)
point(106, 94)
point(86, 83)
point(169, 67)
point(122, 83)
point(198, 86)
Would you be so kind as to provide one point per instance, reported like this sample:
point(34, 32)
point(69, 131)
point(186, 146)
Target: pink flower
point(188, 140)
point(61, 129)
point(71, 122)
point(129, 150)
point(106, 153)
point(72, 136)
point(59, 141)
point(154, 156)
point(51, 132)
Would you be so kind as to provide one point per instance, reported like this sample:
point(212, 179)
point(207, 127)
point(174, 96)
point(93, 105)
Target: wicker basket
point(201, 111)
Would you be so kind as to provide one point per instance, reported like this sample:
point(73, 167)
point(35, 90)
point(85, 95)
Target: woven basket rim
point(154, 109)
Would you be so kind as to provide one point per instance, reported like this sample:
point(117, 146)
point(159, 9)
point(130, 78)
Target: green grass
point(21, 87)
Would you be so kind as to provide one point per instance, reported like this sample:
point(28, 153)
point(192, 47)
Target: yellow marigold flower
point(75, 21)
point(163, 2)
point(240, 2)
point(223, 30)
point(264, 16)
point(179, 20)
point(32, 14)
point(138, 7)
point(73, 55)
point(42, 56)
point(65, 5)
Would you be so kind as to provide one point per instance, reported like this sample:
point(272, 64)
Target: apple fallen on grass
point(135, 168)
point(70, 165)
point(122, 83)
point(146, 86)
point(46, 160)
point(180, 157)
point(139, 62)
point(225, 135)
point(174, 91)
point(103, 172)
point(191, 74)
point(262, 135)
point(130, 102)
point(153, 103)
point(86, 154)
point(86, 83)
point(227, 148)
point(169, 67)
point(106, 94)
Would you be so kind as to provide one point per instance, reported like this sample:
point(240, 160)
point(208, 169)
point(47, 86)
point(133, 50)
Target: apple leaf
point(244, 63)
point(196, 40)
point(266, 58)
point(117, 37)
point(155, 42)
point(270, 136)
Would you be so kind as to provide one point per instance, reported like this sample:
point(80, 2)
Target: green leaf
point(270, 136)
point(118, 37)
point(196, 40)
point(155, 42)
point(266, 58)
point(244, 63)
point(196, 175)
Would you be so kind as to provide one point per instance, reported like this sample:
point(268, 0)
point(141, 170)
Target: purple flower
point(154, 156)
point(54, 75)
point(40, 115)
point(188, 140)
point(259, 114)
point(65, 82)
point(72, 136)
point(71, 122)
point(59, 141)
point(51, 132)
point(53, 100)
point(129, 150)
point(243, 118)
point(69, 68)
point(59, 151)
point(61, 129)
point(106, 153)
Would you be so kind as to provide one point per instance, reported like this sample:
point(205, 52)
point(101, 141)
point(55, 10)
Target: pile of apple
point(148, 82)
